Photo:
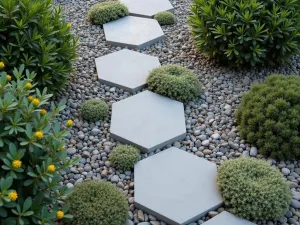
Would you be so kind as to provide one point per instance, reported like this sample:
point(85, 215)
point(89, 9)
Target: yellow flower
point(16, 164)
point(69, 25)
point(43, 112)
point(39, 134)
point(13, 196)
point(51, 168)
point(28, 85)
point(69, 123)
point(62, 148)
point(8, 77)
point(30, 98)
point(35, 102)
point(2, 65)
point(60, 214)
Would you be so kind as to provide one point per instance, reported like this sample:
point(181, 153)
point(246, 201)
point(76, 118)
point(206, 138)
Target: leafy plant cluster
point(247, 32)
point(174, 81)
point(31, 153)
point(269, 116)
point(165, 18)
point(105, 12)
point(94, 109)
point(124, 157)
point(252, 189)
point(97, 203)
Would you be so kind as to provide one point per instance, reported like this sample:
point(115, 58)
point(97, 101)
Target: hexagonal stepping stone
point(148, 121)
point(226, 218)
point(147, 8)
point(133, 32)
point(176, 186)
point(125, 69)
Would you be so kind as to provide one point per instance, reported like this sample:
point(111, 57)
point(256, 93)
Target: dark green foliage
point(97, 203)
point(105, 12)
point(33, 33)
point(269, 116)
point(94, 109)
point(247, 32)
point(165, 18)
point(174, 81)
point(252, 189)
point(124, 157)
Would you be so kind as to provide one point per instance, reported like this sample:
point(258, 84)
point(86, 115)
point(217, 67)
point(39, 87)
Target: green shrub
point(105, 12)
point(31, 153)
point(94, 109)
point(165, 18)
point(97, 203)
point(175, 82)
point(124, 157)
point(33, 32)
point(252, 189)
point(269, 116)
point(246, 32)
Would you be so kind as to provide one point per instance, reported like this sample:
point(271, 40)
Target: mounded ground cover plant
point(252, 189)
point(175, 82)
point(34, 33)
point(124, 157)
point(246, 32)
point(94, 109)
point(105, 12)
point(165, 18)
point(269, 116)
point(97, 203)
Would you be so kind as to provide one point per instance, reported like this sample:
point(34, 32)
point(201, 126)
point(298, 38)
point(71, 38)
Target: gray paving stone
point(131, 71)
point(147, 8)
point(176, 186)
point(148, 121)
point(226, 218)
point(133, 32)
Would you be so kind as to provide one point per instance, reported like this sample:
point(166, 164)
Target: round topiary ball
point(165, 18)
point(94, 109)
point(97, 203)
point(252, 189)
point(124, 157)
point(269, 116)
point(174, 81)
point(105, 12)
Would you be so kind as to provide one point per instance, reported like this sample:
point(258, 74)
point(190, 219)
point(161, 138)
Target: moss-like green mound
point(165, 18)
point(94, 109)
point(124, 157)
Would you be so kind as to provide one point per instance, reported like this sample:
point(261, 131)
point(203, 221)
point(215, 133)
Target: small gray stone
point(115, 179)
point(129, 222)
point(253, 151)
point(295, 204)
point(71, 151)
point(285, 171)
point(205, 143)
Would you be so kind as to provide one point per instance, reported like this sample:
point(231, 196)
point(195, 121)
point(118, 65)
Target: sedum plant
point(33, 33)
point(97, 203)
point(246, 32)
point(94, 109)
point(124, 157)
point(165, 18)
point(31, 153)
point(269, 116)
point(252, 189)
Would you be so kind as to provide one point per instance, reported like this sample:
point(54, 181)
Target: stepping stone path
point(165, 188)
point(131, 70)
point(226, 218)
point(147, 8)
point(148, 121)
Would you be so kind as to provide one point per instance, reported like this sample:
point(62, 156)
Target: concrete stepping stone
point(226, 218)
point(147, 8)
point(133, 32)
point(176, 186)
point(125, 69)
point(148, 121)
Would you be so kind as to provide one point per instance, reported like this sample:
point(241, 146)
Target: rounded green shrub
point(174, 81)
point(269, 116)
point(165, 18)
point(94, 109)
point(35, 34)
point(97, 203)
point(246, 32)
point(252, 189)
point(105, 12)
point(124, 157)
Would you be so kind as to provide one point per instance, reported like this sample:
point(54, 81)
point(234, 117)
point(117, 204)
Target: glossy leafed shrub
point(269, 116)
point(165, 18)
point(94, 109)
point(246, 32)
point(124, 157)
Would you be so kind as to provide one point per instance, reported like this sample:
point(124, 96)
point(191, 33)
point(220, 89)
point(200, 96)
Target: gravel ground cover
point(211, 129)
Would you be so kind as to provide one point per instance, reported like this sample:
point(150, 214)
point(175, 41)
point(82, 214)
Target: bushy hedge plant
point(246, 32)
point(124, 157)
point(31, 153)
point(252, 189)
point(165, 18)
point(94, 109)
point(269, 116)
point(105, 12)
point(97, 203)
point(33, 33)
point(174, 81)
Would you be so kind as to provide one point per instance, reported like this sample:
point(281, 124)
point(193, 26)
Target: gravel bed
point(211, 129)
